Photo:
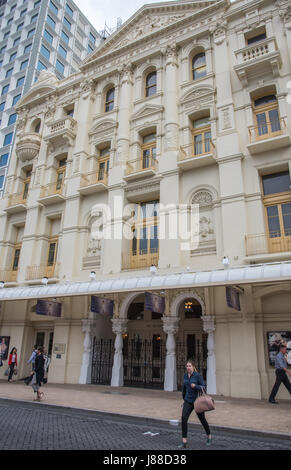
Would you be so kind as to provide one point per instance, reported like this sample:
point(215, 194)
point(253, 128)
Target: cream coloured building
point(184, 107)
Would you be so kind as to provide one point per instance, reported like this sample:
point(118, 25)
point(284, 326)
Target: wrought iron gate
point(144, 362)
point(102, 361)
point(198, 353)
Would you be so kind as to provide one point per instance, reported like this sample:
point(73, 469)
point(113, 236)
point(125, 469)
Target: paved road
point(37, 426)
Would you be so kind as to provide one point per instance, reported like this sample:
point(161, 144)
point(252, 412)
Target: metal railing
point(8, 275)
point(15, 199)
point(140, 259)
point(192, 151)
point(94, 177)
point(263, 243)
point(141, 164)
point(37, 272)
point(267, 129)
point(51, 190)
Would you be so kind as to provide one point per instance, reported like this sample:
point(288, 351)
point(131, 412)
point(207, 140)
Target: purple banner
point(232, 298)
point(102, 306)
point(51, 309)
point(154, 302)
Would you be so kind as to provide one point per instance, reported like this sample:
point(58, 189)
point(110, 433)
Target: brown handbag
point(204, 402)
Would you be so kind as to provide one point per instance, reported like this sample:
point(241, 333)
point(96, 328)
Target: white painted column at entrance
point(85, 374)
point(170, 326)
point(119, 328)
point(209, 328)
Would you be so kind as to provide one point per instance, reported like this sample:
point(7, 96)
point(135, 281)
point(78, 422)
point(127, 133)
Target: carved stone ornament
point(219, 32)
point(87, 87)
point(170, 325)
point(119, 326)
point(28, 147)
point(22, 118)
point(208, 323)
point(203, 198)
point(50, 108)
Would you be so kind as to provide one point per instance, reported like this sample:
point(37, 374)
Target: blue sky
point(99, 11)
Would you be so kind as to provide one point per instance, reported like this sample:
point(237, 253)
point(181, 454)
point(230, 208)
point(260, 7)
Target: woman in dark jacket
point(38, 373)
point(193, 383)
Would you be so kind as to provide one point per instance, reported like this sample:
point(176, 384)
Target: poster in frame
point(4, 347)
point(275, 338)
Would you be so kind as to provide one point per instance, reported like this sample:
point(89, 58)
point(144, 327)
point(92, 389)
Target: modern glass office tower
point(36, 35)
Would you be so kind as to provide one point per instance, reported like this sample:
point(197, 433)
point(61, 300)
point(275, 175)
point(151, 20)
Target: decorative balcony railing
point(93, 177)
point(61, 125)
point(8, 275)
point(16, 199)
point(267, 130)
point(262, 243)
point(38, 272)
point(191, 151)
point(140, 259)
point(52, 189)
point(141, 164)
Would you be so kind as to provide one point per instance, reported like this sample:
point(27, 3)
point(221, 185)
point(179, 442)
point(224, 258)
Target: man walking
point(281, 373)
point(31, 360)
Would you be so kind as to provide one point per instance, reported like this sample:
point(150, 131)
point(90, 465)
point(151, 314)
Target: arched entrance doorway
point(143, 346)
point(191, 341)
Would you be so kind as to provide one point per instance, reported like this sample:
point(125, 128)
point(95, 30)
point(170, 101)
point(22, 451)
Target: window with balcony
point(277, 202)
point(61, 173)
point(258, 37)
point(52, 253)
point(266, 117)
point(26, 184)
point(145, 243)
point(198, 66)
point(202, 143)
point(16, 257)
point(103, 164)
point(149, 151)
point(109, 100)
point(151, 84)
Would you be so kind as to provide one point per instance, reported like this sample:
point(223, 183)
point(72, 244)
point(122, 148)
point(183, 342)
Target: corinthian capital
point(170, 325)
point(208, 323)
point(126, 72)
point(119, 326)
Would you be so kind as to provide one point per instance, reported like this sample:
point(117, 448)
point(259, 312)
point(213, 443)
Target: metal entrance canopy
point(253, 274)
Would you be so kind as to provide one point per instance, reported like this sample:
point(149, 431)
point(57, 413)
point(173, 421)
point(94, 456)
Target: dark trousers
point(281, 377)
point(12, 365)
point(187, 410)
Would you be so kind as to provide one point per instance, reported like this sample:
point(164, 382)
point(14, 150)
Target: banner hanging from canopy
point(102, 306)
point(154, 303)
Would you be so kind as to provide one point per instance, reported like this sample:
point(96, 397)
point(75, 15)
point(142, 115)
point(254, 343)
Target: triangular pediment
point(149, 20)
point(47, 83)
point(147, 110)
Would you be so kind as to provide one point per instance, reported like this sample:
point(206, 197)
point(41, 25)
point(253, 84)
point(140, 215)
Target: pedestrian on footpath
point(31, 361)
point(12, 363)
point(281, 373)
point(38, 374)
point(193, 383)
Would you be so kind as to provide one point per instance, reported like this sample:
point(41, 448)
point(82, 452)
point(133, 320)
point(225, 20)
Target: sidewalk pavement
point(235, 413)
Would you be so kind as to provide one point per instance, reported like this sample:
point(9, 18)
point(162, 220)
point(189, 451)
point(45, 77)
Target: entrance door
point(144, 361)
point(45, 338)
point(194, 346)
point(102, 361)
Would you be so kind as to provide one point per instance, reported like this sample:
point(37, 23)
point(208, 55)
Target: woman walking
point(193, 383)
point(38, 374)
point(12, 362)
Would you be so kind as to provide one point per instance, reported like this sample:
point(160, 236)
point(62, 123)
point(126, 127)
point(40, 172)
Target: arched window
point(37, 128)
point(109, 100)
point(199, 66)
point(151, 84)
point(266, 117)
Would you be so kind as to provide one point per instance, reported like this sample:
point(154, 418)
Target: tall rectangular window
point(48, 36)
point(9, 73)
point(92, 38)
point(30, 33)
point(67, 24)
point(2, 106)
point(19, 26)
point(23, 65)
point(27, 48)
point(65, 37)
point(45, 52)
point(4, 159)
point(20, 81)
point(12, 56)
point(53, 8)
point(50, 22)
point(8, 139)
point(41, 66)
point(16, 41)
point(60, 67)
point(12, 119)
point(63, 51)
point(5, 90)
point(69, 10)
point(34, 18)
point(1, 181)
point(16, 99)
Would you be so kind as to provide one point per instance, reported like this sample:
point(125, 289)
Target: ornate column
point(125, 100)
point(209, 328)
point(119, 328)
point(170, 326)
point(85, 374)
point(171, 98)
